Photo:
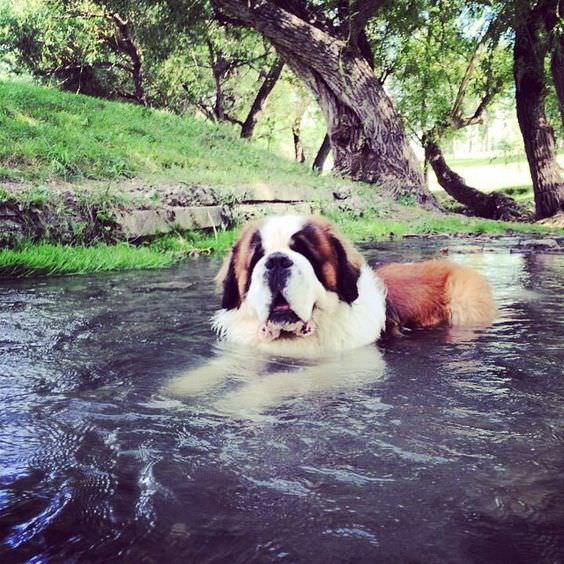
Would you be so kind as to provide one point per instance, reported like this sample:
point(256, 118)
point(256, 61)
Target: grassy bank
point(164, 251)
point(43, 259)
point(48, 134)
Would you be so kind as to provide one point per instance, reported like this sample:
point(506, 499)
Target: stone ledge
point(142, 223)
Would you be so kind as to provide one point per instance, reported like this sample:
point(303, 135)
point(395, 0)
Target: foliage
point(185, 61)
point(450, 42)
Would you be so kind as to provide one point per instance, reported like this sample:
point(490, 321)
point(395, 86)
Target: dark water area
point(439, 446)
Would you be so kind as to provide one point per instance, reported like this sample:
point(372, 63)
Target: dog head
point(282, 268)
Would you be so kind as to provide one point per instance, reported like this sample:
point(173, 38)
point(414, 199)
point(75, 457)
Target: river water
point(127, 435)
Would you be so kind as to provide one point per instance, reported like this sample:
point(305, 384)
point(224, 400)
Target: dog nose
point(278, 261)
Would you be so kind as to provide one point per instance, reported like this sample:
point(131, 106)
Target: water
point(439, 446)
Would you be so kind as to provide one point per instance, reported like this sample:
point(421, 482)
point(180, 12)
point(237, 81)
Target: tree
point(534, 34)
point(325, 46)
point(269, 81)
point(446, 69)
point(557, 67)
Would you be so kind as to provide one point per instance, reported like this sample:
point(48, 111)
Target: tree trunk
point(298, 147)
point(259, 102)
point(491, 206)
point(124, 42)
point(366, 133)
point(322, 154)
point(538, 136)
point(217, 66)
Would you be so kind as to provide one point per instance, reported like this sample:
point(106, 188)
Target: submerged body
point(294, 286)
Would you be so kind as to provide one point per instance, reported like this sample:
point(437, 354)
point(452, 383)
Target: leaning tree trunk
point(491, 206)
point(259, 102)
point(367, 135)
point(322, 154)
point(538, 135)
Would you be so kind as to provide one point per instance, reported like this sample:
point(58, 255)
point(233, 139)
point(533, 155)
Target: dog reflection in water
point(243, 382)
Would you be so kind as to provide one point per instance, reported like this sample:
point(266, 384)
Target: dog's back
point(436, 292)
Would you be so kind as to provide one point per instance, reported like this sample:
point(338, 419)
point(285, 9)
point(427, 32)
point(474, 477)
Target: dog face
point(281, 265)
point(294, 283)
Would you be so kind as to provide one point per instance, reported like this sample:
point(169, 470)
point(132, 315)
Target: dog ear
point(348, 273)
point(233, 278)
point(227, 280)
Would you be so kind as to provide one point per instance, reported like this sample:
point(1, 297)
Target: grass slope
point(46, 133)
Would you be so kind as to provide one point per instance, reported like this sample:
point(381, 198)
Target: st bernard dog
point(295, 286)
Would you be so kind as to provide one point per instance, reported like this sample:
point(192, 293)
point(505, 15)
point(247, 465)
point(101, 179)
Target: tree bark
point(259, 102)
point(366, 133)
point(530, 91)
point(322, 154)
point(298, 147)
point(491, 206)
point(124, 43)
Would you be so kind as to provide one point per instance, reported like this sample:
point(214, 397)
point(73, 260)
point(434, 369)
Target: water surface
point(438, 446)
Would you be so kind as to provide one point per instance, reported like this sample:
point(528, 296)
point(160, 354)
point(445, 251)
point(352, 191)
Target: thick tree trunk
point(298, 147)
point(259, 102)
point(538, 136)
point(491, 206)
point(322, 154)
point(366, 133)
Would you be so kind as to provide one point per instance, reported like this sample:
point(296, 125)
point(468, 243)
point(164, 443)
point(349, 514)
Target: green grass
point(195, 242)
point(520, 193)
point(46, 133)
point(425, 223)
point(46, 259)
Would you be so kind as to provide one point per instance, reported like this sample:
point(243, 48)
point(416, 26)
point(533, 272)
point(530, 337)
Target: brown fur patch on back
point(436, 292)
point(416, 294)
